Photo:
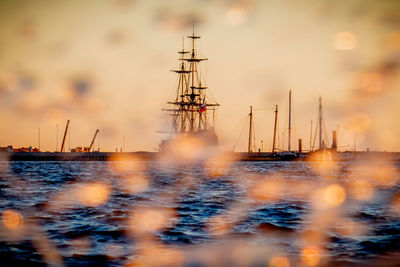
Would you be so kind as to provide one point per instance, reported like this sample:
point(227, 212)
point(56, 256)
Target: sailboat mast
point(275, 124)
point(249, 150)
point(39, 138)
point(311, 135)
point(320, 123)
point(290, 118)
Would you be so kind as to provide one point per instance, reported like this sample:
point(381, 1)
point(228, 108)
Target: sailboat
point(192, 111)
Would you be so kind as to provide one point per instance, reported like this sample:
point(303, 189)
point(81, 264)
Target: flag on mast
point(203, 107)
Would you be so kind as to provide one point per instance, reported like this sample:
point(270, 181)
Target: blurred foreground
point(209, 211)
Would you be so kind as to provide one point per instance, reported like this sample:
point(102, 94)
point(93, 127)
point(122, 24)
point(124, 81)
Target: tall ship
point(192, 110)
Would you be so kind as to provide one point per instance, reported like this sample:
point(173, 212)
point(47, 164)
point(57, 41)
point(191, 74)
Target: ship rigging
point(191, 107)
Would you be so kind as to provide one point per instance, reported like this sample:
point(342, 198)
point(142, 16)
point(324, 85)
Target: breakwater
point(241, 156)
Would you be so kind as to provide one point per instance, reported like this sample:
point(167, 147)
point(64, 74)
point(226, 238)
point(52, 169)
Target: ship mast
point(192, 71)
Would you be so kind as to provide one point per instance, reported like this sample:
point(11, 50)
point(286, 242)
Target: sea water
point(179, 214)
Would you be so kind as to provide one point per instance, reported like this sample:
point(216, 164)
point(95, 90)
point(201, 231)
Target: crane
point(94, 137)
point(65, 135)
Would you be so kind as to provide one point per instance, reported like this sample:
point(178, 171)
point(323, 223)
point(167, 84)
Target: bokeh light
point(12, 220)
point(311, 256)
point(150, 219)
point(361, 190)
point(181, 200)
point(345, 41)
point(334, 195)
point(279, 262)
point(92, 194)
point(267, 190)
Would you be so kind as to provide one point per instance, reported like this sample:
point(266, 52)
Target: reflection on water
point(155, 214)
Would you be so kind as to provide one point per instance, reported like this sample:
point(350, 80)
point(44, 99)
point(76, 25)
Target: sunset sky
point(105, 64)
